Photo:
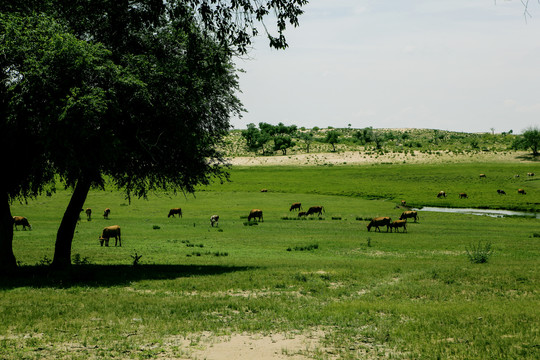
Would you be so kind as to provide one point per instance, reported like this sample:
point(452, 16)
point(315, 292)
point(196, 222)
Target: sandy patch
point(366, 158)
point(248, 346)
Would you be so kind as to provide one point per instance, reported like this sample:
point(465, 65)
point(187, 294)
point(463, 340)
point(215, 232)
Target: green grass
point(404, 295)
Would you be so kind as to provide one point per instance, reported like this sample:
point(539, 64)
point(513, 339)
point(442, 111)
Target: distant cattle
point(441, 194)
point(106, 213)
point(403, 203)
point(530, 174)
point(174, 211)
point(409, 214)
point(463, 196)
point(214, 220)
point(516, 176)
point(302, 213)
point(315, 210)
point(521, 191)
point(379, 221)
point(397, 224)
point(255, 213)
point(21, 220)
point(296, 206)
point(88, 212)
point(111, 232)
point(482, 175)
point(501, 192)
point(264, 190)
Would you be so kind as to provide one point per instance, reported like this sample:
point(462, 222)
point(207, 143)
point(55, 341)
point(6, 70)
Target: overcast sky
point(462, 65)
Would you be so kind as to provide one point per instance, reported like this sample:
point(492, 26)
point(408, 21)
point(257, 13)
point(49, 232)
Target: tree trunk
point(7, 258)
point(64, 237)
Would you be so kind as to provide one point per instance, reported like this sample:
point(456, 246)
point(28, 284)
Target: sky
point(459, 65)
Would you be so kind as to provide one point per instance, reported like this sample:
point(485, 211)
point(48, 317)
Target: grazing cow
point(110, 232)
point(409, 214)
point(255, 213)
point(463, 196)
point(516, 176)
point(379, 221)
point(88, 212)
point(106, 213)
point(21, 220)
point(295, 206)
point(530, 174)
point(501, 192)
point(441, 194)
point(403, 203)
point(482, 175)
point(214, 220)
point(264, 190)
point(302, 213)
point(175, 211)
point(521, 191)
point(315, 210)
point(397, 224)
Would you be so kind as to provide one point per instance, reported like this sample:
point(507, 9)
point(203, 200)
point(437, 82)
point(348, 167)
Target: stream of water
point(486, 212)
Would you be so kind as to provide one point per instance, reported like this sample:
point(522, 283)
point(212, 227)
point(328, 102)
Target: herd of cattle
point(257, 214)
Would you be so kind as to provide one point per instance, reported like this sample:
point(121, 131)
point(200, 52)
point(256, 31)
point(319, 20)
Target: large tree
point(146, 91)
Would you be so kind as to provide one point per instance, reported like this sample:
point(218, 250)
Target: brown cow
point(463, 196)
point(264, 190)
point(379, 221)
point(88, 212)
point(530, 174)
point(482, 175)
point(255, 213)
point(302, 213)
point(501, 192)
point(397, 224)
point(441, 194)
point(403, 203)
point(521, 191)
point(106, 213)
point(109, 232)
point(175, 211)
point(409, 214)
point(214, 220)
point(21, 220)
point(315, 210)
point(295, 206)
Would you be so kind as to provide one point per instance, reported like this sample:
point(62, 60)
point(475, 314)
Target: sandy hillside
point(359, 158)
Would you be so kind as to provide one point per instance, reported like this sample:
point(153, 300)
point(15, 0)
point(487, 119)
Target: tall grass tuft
point(479, 254)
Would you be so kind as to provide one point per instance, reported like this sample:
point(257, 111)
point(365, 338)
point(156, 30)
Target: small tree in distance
point(530, 139)
point(332, 137)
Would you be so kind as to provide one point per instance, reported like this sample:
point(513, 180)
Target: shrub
point(78, 261)
point(479, 254)
point(156, 227)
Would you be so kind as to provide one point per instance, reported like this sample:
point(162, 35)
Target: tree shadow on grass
point(528, 157)
point(106, 275)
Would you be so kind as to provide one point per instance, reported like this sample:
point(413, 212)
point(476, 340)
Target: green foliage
point(332, 137)
point(279, 135)
point(479, 253)
point(530, 139)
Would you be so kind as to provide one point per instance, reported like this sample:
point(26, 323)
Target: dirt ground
point(359, 158)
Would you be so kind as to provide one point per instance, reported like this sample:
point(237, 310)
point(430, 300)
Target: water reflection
point(486, 212)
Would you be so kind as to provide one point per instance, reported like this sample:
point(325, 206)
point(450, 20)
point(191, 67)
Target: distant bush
point(479, 254)
point(304, 248)
point(156, 227)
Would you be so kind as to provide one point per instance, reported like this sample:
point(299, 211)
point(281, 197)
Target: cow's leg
point(106, 241)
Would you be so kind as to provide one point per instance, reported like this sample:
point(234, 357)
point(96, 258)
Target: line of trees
point(138, 91)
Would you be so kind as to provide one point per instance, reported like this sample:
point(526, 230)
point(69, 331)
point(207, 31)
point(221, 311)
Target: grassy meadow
point(370, 294)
